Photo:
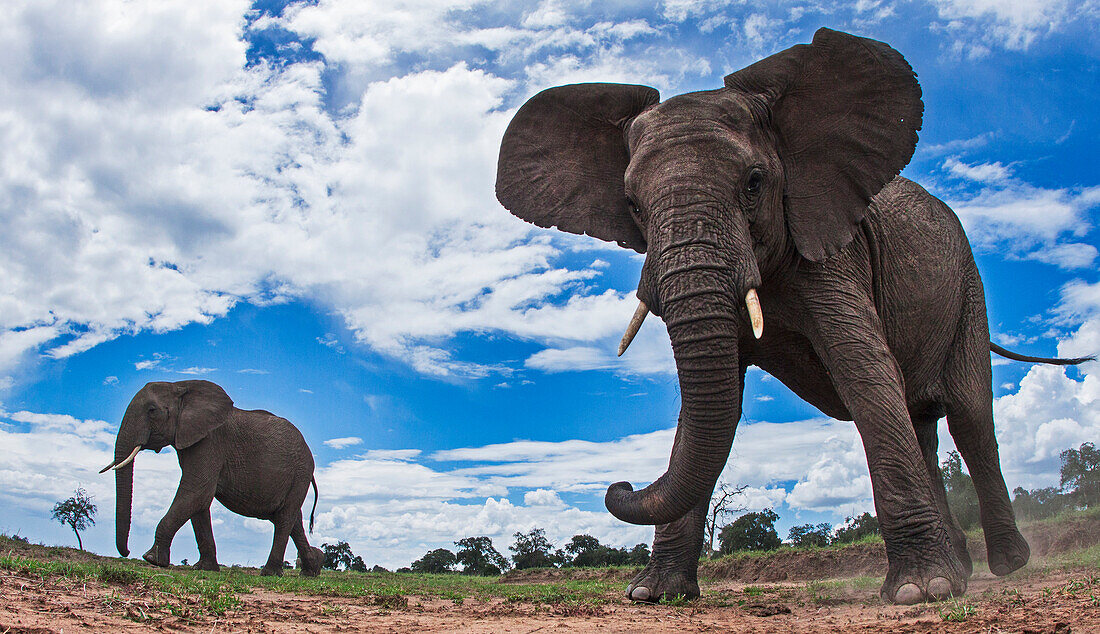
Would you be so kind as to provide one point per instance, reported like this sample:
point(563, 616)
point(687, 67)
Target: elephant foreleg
point(851, 343)
point(195, 493)
point(673, 567)
point(927, 436)
point(204, 538)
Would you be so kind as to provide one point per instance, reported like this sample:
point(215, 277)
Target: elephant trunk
point(130, 436)
point(697, 284)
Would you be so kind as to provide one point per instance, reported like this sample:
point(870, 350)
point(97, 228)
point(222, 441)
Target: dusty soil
point(1061, 601)
point(1041, 598)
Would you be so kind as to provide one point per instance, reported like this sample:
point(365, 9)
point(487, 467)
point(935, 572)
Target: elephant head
point(161, 414)
point(723, 190)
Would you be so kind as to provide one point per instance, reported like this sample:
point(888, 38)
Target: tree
point(478, 557)
point(585, 551)
point(532, 550)
point(1080, 474)
point(639, 555)
point(1038, 503)
point(962, 498)
point(721, 505)
point(341, 555)
point(856, 528)
point(78, 512)
point(810, 536)
point(751, 531)
point(437, 561)
point(357, 564)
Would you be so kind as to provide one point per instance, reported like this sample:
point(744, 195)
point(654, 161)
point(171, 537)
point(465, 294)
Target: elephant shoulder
point(904, 206)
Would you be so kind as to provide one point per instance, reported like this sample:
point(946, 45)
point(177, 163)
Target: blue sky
point(295, 200)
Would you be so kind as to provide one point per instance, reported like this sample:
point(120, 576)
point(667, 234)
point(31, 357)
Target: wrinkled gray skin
point(253, 462)
point(785, 181)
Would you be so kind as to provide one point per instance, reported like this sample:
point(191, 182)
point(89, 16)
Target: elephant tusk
point(752, 303)
point(128, 460)
point(633, 326)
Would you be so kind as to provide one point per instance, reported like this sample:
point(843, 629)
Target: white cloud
point(1009, 24)
point(196, 371)
point(1012, 216)
point(542, 497)
point(343, 443)
point(985, 172)
point(145, 190)
point(392, 454)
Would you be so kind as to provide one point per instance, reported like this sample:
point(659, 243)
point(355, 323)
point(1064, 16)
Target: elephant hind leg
point(925, 426)
point(968, 380)
point(274, 565)
point(311, 557)
point(204, 538)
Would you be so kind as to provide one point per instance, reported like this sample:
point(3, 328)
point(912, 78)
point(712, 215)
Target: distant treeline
point(1079, 488)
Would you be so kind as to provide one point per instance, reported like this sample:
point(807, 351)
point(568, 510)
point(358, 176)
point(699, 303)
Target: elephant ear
point(563, 160)
point(846, 111)
point(202, 407)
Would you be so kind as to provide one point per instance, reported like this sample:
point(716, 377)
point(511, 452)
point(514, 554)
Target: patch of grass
point(956, 611)
point(820, 593)
point(189, 594)
point(678, 601)
point(118, 575)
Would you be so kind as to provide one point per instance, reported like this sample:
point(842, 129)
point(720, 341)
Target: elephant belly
point(268, 466)
point(790, 357)
point(251, 504)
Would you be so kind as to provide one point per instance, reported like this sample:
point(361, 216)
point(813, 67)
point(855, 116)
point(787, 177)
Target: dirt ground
point(1050, 602)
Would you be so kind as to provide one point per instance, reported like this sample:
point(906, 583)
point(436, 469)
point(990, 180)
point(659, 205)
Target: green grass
point(956, 611)
point(188, 593)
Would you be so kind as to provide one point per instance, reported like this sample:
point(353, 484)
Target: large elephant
point(253, 462)
point(775, 200)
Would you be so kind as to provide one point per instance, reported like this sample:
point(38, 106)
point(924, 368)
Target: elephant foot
point(656, 582)
point(1007, 552)
point(158, 556)
point(271, 571)
point(909, 582)
point(201, 564)
point(311, 561)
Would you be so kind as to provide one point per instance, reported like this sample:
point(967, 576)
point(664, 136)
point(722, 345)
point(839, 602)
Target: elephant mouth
point(752, 304)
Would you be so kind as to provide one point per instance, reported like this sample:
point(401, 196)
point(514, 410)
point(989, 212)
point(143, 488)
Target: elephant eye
point(754, 182)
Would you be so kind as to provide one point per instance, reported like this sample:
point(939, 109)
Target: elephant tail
point(1008, 354)
point(314, 481)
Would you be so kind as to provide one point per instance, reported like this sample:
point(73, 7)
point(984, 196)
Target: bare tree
point(721, 505)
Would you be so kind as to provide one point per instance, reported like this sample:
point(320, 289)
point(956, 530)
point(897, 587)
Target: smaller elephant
point(253, 462)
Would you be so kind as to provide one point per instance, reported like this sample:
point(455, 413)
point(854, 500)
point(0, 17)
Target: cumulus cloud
point(192, 182)
point(1010, 215)
point(1008, 24)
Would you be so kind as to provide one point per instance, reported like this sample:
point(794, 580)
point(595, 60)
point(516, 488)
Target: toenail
point(908, 594)
point(940, 589)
